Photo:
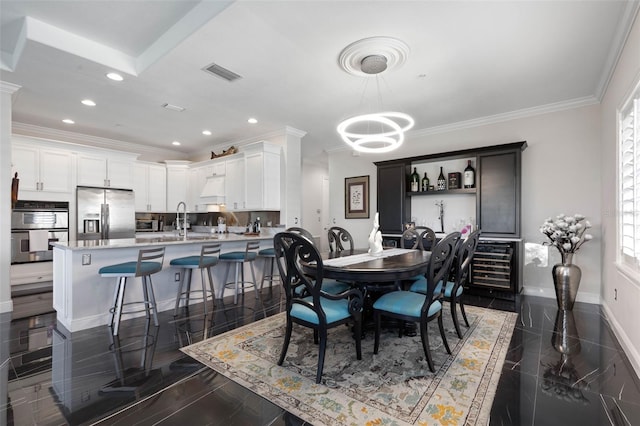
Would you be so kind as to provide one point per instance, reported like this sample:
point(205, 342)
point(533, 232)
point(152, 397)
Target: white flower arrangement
point(566, 233)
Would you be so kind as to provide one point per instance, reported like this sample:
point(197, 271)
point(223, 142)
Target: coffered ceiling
point(467, 61)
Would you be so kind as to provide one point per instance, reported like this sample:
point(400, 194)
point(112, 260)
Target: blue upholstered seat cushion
point(416, 278)
point(328, 286)
point(129, 268)
point(194, 261)
point(238, 255)
point(334, 287)
point(405, 303)
point(335, 310)
point(421, 287)
point(267, 252)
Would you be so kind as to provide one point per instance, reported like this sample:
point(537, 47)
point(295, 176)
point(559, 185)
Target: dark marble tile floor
point(564, 370)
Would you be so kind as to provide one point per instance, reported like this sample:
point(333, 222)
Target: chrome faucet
point(181, 231)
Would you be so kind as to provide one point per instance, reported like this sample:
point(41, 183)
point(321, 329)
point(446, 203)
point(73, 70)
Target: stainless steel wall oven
point(34, 226)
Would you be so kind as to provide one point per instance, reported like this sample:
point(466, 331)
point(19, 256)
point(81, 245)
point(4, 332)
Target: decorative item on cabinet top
point(231, 150)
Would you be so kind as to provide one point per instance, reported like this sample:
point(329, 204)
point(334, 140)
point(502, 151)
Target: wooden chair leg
point(424, 336)
point(464, 314)
point(454, 315)
point(285, 344)
point(444, 336)
point(376, 341)
point(321, 353)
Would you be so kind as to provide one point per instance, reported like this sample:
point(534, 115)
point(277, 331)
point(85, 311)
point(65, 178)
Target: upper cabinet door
point(157, 188)
point(140, 187)
point(393, 204)
point(92, 170)
point(55, 171)
point(42, 169)
point(26, 162)
point(105, 171)
point(499, 204)
point(120, 173)
point(234, 184)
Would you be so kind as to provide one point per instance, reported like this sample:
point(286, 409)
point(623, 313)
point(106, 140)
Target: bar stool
point(208, 258)
point(146, 265)
point(239, 258)
point(269, 256)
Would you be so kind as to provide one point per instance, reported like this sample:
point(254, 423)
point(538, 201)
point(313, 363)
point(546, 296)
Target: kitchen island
point(82, 298)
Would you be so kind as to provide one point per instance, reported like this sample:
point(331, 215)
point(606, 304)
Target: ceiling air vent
point(221, 72)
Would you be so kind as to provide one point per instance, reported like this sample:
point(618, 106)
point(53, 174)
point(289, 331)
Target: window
point(629, 181)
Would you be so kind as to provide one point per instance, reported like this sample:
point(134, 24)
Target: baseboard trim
point(627, 346)
point(550, 293)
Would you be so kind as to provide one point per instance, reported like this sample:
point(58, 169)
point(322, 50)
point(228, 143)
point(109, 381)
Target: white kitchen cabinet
point(263, 179)
point(178, 184)
point(235, 184)
point(105, 171)
point(150, 187)
point(42, 170)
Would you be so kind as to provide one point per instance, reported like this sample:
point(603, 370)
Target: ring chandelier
point(369, 57)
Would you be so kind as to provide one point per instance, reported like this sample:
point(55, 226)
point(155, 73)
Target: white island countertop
point(156, 240)
point(83, 298)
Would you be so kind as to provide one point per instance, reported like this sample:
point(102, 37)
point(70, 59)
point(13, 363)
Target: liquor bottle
point(415, 181)
point(425, 182)
point(469, 176)
point(442, 182)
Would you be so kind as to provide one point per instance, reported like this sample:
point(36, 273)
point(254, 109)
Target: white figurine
point(375, 238)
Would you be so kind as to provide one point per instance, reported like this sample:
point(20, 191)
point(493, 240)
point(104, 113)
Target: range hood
point(213, 190)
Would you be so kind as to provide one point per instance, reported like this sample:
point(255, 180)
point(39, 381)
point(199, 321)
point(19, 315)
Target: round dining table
point(393, 265)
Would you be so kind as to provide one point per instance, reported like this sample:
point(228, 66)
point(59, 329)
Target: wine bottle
point(415, 181)
point(425, 182)
point(469, 176)
point(442, 182)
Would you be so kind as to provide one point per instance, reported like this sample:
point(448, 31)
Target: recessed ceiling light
point(68, 121)
point(114, 76)
point(88, 102)
point(176, 143)
point(206, 132)
point(252, 121)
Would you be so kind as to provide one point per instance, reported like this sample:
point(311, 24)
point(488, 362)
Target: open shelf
point(445, 192)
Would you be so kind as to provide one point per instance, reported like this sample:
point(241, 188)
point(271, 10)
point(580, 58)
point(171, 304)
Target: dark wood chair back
point(339, 239)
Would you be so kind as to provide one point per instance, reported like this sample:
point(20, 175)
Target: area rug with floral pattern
point(394, 387)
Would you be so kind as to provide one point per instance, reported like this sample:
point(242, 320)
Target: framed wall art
point(356, 197)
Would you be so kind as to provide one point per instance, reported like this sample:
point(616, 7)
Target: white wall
point(312, 178)
point(560, 174)
point(623, 311)
point(342, 165)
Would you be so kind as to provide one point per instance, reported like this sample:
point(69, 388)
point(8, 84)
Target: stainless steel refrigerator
point(105, 213)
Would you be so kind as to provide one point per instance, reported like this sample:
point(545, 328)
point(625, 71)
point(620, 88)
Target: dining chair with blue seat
point(313, 308)
point(239, 258)
point(427, 237)
point(339, 239)
point(416, 307)
point(412, 239)
point(329, 285)
point(452, 291)
point(207, 259)
point(149, 262)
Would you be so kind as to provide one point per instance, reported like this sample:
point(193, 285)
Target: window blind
point(629, 178)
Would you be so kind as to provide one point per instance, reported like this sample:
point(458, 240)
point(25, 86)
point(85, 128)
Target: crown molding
point(88, 140)
point(619, 41)
point(491, 119)
point(287, 130)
